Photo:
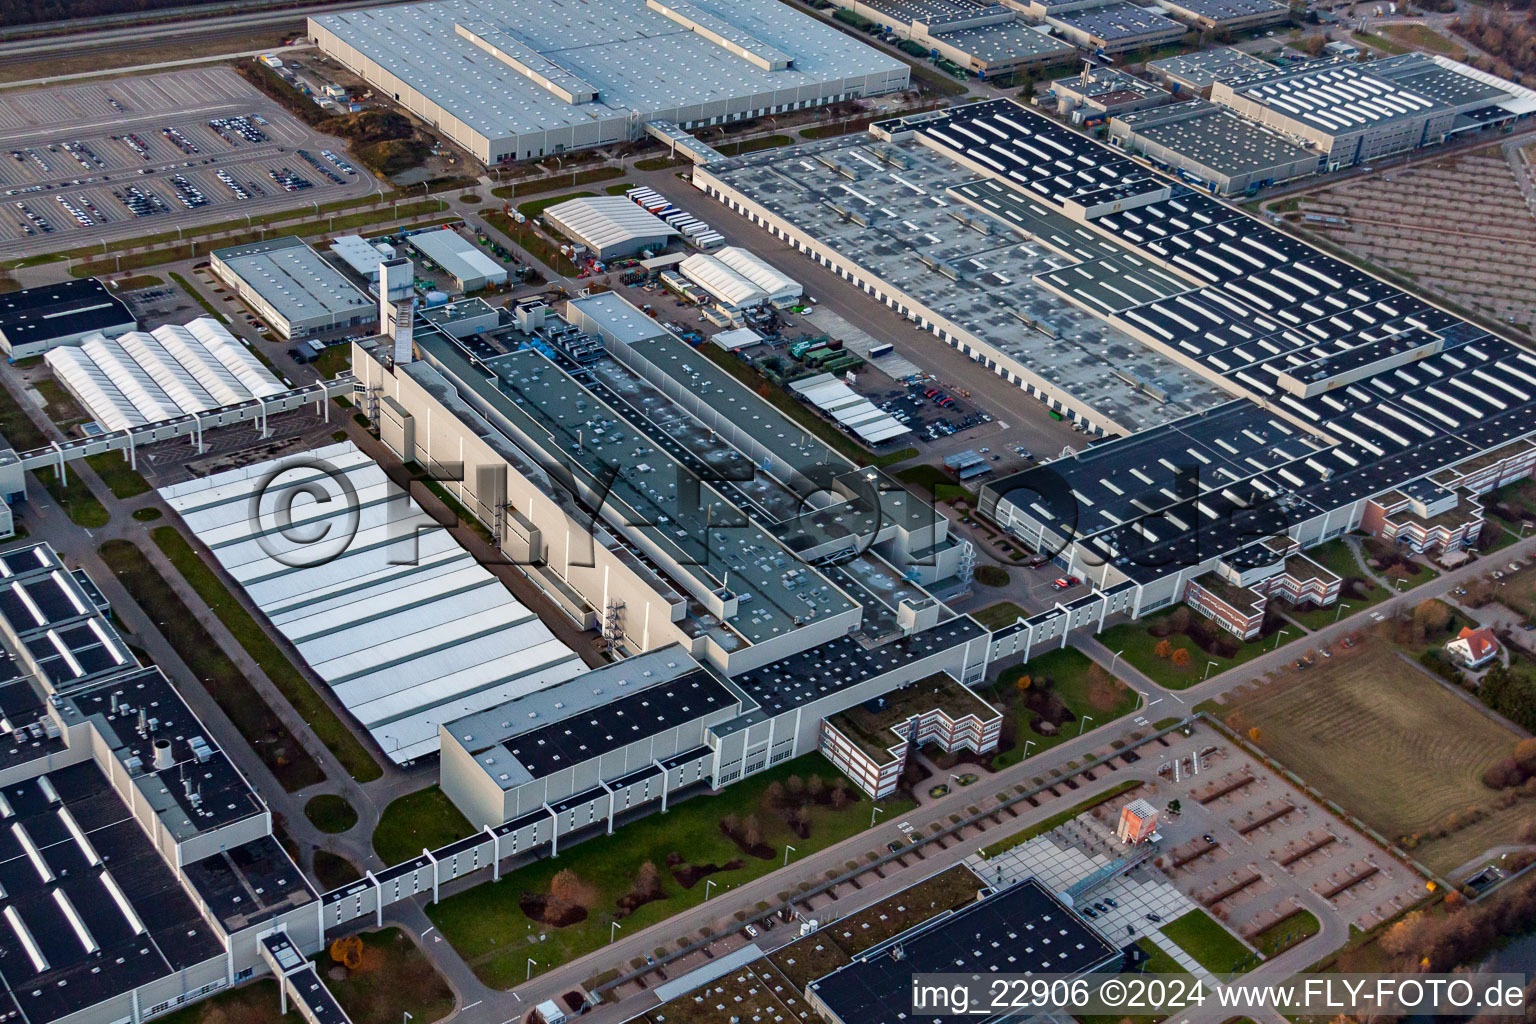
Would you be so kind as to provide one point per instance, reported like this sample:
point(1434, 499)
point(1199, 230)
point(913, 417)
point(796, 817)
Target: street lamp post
point(531, 963)
point(1027, 745)
point(874, 811)
point(1278, 635)
point(1208, 666)
point(1113, 660)
point(789, 850)
point(1082, 722)
point(1340, 611)
point(708, 882)
point(613, 928)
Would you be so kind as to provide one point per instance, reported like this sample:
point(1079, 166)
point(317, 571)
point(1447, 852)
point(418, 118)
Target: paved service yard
point(124, 158)
point(1274, 848)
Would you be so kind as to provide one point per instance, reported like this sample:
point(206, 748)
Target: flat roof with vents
point(1024, 929)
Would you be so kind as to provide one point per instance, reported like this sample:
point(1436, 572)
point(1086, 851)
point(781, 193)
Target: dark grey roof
point(1023, 929)
point(50, 311)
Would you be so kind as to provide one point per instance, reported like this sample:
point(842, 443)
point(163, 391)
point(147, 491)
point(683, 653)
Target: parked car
point(751, 931)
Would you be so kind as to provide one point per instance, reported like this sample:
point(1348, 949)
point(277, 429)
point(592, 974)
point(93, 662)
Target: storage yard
point(129, 157)
point(1424, 221)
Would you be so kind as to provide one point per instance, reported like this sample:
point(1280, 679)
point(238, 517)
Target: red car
point(1065, 582)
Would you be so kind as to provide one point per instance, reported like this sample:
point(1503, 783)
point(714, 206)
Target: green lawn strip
point(937, 483)
point(18, 428)
point(780, 400)
point(62, 407)
point(330, 813)
point(533, 243)
point(1287, 932)
point(1158, 959)
point(1208, 941)
point(254, 1003)
point(155, 257)
point(660, 163)
point(534, 207)
point(996, 616)
point(573, 179)
point(323, 722)
point(74, 497)
point(1390, 46)
point(395, 982)
point(147, 514)
point(619, 189)
point(1040, 828)
point(423, 820)
point(1138, 646)
point(1071, 676)
point(489, 929)
point(226, 684)
point(121, 479)
point(334, 359)
point(197, 297)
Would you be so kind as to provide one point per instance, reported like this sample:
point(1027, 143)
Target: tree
point(566, 886)
point(774, 795)
point(1180, 618)
point(1525, 755)
point(796, 786)
point(753, 836)
point(648, 881)
point(1174, 807)
point(1163, 649)
point(1180, 657)
point(1022, 684)
point(815, 788)
point(839, 798)
point(1254, 734)
point(348, 951)
point(731, 824)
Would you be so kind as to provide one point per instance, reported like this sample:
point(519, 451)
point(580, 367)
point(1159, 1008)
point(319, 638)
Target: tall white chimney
point(397, 305)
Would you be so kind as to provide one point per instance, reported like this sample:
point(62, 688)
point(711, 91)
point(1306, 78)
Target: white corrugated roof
point(721, 281)
point(141, 378)
point(407, 629)
point(458, 255)
point(754, 268)
point(850, 408)
point(606, 221)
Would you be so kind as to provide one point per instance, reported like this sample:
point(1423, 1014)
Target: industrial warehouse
point(515, 79)
point(1283, 455)
point(1354, 113)
point(1210, 146)
point(292, 287)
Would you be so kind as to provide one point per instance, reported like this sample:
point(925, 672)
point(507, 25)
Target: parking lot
point(128, 157)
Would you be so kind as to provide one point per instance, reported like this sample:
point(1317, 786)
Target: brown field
point(1390, 744)
point(1459, 226)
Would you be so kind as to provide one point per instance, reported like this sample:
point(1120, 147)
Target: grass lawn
point(1392, 745)
point(425, 819)
point(1422, 37)
point(660, 163)
point(17, 427)
point(1208, 941)
point(1357, 593)
point(1060, 818)
point(1390, 46)
point(572, 179)
point(334, 360)
point(1282, 935)
point(1138, 646)
point(489, 929)
point(1086, 694)
point(121, 479)
point(147, 514)
point(1158, 961)
point(333, 871)
point(534, 207)
point(996, 616)
point(257, 722)
point(394, 979)
point(322, 720)
point(253, 1003)
point(75, 498)
point(62, 408)
point(330, 813)
point(937, 483)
